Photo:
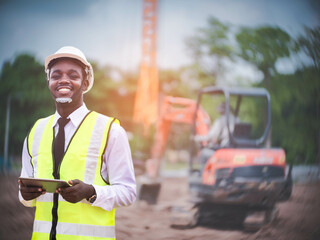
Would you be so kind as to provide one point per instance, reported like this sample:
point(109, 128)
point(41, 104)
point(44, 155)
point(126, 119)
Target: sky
point(109, 31)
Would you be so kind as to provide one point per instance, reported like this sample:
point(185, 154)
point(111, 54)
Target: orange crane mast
point(146, 100)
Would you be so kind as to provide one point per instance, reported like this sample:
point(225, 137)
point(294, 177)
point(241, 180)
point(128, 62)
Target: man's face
point(66, 80)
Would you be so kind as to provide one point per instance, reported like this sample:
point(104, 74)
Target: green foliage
point(23, 81)
point(263, 46)
point(215, 39)
point(296, 120)
point(310, 44)
point(209, 47)
point(253, 110)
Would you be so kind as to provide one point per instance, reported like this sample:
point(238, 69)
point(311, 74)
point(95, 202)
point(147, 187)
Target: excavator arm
point(173, 110)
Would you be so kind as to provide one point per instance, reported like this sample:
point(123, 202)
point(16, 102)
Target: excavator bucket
point(149, 184)
point(149, 192)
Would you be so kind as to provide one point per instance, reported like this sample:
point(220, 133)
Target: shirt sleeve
point(26, 171)
point(117, 169)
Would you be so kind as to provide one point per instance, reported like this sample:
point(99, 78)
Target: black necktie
point(58, 148)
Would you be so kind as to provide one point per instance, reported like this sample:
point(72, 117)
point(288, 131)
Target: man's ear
point(85, 85)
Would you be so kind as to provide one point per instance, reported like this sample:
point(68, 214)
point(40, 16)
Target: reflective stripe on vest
point(74, 230)
point(82, 160)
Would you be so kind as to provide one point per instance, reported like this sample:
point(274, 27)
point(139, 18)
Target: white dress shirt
point(117, 166)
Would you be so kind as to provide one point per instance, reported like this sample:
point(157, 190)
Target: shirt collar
point(76, 116)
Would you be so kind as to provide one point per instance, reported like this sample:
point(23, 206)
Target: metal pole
point(6, 135)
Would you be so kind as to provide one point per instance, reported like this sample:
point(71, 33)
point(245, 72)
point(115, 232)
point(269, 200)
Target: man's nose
point(64, 78)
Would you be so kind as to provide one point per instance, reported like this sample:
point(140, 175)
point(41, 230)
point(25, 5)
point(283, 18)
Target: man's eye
point(74, 76)
point(55, 76)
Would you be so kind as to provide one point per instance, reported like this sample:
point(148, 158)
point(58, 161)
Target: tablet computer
point(49, 185)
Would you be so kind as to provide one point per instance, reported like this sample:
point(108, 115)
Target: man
point(87, 149)
point(218, 135)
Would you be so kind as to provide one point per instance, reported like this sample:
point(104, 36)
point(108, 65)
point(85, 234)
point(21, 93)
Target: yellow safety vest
point(82, 160)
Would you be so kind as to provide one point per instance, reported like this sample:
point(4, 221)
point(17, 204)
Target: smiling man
point(85, 148)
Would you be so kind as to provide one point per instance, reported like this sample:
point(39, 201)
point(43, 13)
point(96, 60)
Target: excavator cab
point(246, 122)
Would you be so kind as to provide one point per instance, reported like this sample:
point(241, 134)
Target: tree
point(23, 83)
point(263, 46)
point(210, 47)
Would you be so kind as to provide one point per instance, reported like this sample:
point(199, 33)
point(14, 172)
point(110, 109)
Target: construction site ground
point(299, 218)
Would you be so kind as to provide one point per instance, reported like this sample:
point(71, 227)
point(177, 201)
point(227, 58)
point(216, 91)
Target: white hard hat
point(75, 53)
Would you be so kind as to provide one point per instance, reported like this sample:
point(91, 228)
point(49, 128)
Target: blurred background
point(197, 43)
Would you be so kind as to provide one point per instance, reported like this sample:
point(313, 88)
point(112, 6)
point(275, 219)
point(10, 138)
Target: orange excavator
point(240, 182)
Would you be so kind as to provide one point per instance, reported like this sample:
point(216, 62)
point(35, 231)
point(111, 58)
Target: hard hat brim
point(63, 55)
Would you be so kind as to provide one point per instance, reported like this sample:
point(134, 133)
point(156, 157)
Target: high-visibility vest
point(82, 160)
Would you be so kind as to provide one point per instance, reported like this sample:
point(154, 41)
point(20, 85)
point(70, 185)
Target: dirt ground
point(299, 218)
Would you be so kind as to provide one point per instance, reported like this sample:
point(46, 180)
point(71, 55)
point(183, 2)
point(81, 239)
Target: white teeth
point(63, 100)
point(64, 90)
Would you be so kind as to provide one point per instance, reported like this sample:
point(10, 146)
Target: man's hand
point(29, 193)
point(78, 191)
